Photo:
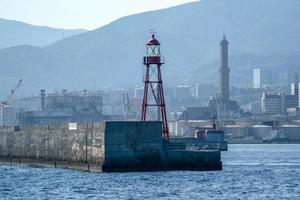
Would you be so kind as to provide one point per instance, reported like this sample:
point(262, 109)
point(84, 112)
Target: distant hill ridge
point(14, 33)
point(259, 33)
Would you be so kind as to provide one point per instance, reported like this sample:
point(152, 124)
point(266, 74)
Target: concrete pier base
point(110, 146)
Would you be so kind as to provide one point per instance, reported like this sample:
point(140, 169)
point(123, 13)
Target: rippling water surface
point(269, 171)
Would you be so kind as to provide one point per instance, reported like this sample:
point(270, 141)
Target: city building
point(262, 77)
point(256, 78)
point(182, 92)
point(272, 103)
point(281, 103)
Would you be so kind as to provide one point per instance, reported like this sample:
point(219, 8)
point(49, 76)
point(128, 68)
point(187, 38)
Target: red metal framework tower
point(154, 107)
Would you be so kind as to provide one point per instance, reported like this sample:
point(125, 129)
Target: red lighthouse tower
point(154, 107)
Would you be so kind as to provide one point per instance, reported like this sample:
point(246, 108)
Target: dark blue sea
point(266, 171)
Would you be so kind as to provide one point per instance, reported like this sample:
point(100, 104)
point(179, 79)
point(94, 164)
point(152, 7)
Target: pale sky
point(87, 14)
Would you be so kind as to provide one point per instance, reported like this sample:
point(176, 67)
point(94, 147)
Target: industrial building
point(236, 131)
point(182, 92)
point(244, 131)
point(8, 115)
point(272, 104)
point(260, 131)
point(280, 103)
point(65, 107)
point(291, 131)
point(8, 111)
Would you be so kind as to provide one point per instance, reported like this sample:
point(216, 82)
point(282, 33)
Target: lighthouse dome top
point(153, 41)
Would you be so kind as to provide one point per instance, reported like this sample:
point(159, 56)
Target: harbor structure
point(111, 145)
point(115, 146)
point(153, 106)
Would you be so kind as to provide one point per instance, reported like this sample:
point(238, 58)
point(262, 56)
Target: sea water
point(254, 171)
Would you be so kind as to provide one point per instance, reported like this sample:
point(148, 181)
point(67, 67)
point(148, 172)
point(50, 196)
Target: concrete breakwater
point(54, 145)
point(107, 146)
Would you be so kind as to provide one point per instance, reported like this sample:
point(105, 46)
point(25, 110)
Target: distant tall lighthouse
point(224, 70)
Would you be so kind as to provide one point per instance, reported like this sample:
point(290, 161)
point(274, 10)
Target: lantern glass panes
point(153, 50)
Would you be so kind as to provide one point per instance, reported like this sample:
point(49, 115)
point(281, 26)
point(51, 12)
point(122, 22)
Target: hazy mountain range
point(260, 33)
point(14, 33)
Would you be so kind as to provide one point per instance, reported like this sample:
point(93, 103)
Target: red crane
point(154, 107)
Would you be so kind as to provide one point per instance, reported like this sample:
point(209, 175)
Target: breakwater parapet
point(107, 146)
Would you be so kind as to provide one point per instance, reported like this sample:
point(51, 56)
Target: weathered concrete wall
point(132, 146)
point(108, 146)
point(138, 146)
point(54, 143)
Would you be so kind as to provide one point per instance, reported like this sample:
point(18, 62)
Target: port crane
point(11, 98)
